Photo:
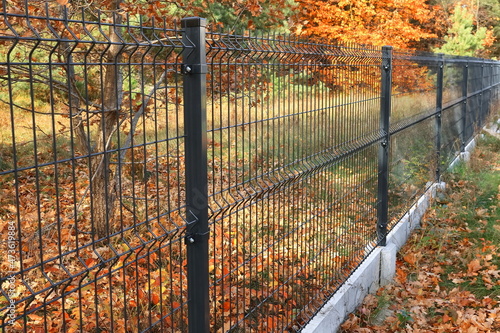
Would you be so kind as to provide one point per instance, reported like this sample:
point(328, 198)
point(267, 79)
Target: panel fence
point(159, 178)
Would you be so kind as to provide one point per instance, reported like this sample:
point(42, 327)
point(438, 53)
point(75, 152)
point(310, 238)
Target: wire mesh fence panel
point(292, 127)
point(452, 115)
point(485, 94)
point(474, 92)
point(413, 159)
point(453, 80)
point(91, 174)
point(413, 166)
point(451, 135)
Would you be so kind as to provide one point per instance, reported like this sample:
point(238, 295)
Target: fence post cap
point(193, 22)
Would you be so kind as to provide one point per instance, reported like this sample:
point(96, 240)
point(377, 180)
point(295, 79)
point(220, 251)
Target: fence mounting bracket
point(194, 69)
point(192, 238)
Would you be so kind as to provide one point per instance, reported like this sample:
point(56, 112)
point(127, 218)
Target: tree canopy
point(463, 38)
point(407, 24)
point(400, 23)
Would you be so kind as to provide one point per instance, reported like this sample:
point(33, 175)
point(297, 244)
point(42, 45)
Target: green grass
point(476, 196)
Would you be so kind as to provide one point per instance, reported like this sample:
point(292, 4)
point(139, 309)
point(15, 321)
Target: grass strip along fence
point(173, 180)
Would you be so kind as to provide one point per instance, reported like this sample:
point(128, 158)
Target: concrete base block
point(400, 233)
point(465, 156)
point(388, 263)
point(363, 281)
point(411, 220)
point(439, 187)
point(378, 269)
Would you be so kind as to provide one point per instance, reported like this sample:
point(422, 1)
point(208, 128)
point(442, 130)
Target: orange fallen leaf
point(271, 321)
point(226, 306)
point(401, 275)
point(473, 267)
point(410, 258)
point(35, 318)
point(155, 299)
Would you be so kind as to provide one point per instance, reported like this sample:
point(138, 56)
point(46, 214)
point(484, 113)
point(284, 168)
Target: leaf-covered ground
point(448, 276)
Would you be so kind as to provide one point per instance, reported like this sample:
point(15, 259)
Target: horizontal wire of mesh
point(91, 174)
point(293, 161)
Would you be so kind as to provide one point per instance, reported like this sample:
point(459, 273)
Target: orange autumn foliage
point(400, 23)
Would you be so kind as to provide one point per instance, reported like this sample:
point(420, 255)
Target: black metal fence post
point(465, 78)
point(194, 69)
point(383, 156)
point(439, 109)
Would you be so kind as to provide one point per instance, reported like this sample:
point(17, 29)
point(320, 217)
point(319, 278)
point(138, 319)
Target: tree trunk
point(81, 139)
point(79, 134)
point(103, 184)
